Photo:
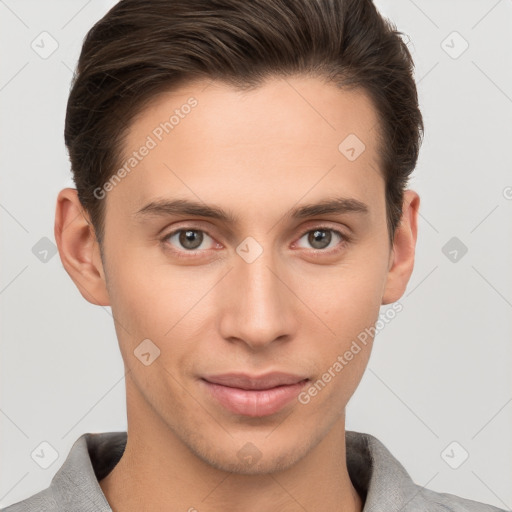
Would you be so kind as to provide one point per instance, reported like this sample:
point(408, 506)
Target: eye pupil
point(190, 238)
point(319, 236)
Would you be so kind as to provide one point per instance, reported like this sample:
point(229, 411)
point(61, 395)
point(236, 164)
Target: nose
point(259, 307)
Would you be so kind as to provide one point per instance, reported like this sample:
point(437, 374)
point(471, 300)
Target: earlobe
point(78, 248)
point(402, 254)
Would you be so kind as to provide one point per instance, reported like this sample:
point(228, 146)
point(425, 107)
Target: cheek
point(347, 297)
point(342, 356)
point(348, 302)
point(138, 307)
point(142, 288)
point(137, 302)
point(153, 300)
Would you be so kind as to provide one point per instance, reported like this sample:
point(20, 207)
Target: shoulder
point(427, 499)
point(386, 485)
point(75, 486)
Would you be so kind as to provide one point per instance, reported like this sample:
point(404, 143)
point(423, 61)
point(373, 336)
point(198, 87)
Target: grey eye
point(321, 238)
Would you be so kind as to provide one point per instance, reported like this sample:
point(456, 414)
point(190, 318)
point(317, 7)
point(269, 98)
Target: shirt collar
point(378, 476)
point(380, 479)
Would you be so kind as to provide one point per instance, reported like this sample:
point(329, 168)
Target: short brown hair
point(141, 48)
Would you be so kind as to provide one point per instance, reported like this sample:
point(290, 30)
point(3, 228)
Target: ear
point(401, 262)
point(78, 248)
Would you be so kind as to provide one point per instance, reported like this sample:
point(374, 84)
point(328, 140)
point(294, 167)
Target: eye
point(187, 239)
point(189, 242)
point(321, 238)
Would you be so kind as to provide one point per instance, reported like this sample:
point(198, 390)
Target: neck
point(158, 471)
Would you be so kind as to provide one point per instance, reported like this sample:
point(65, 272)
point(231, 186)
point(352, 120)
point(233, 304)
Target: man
point(241, 204)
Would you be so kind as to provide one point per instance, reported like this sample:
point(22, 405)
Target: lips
point(254, 395)
point(244, 381)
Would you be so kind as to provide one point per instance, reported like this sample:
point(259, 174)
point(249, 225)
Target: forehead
point(288, 137)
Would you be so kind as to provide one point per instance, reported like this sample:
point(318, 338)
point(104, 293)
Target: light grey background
point(440, 371)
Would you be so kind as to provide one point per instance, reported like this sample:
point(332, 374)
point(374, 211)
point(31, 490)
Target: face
point(247, 280)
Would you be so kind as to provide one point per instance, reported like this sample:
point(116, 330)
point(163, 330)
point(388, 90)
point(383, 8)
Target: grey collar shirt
point(380, 479)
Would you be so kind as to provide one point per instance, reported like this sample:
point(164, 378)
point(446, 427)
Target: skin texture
point(295, 308)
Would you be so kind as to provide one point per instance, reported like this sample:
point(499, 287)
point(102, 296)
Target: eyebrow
point(169, 207)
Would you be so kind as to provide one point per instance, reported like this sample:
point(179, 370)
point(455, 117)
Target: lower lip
point(254, 403)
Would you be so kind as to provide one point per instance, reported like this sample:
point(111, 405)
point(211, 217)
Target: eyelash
point(345, 240)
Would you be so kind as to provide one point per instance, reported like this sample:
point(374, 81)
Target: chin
point(250, 459)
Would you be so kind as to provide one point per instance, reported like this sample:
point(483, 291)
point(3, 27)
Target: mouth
point(254, 396)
